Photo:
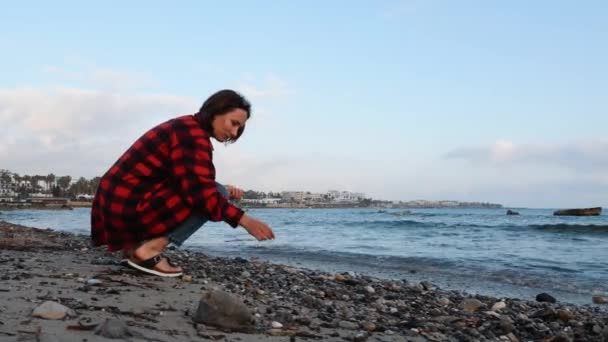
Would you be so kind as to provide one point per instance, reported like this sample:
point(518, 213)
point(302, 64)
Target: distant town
point(343, 199)
point(63, 191)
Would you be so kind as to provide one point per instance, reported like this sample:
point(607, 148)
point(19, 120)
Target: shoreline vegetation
point(56, 287)
point(61, 192)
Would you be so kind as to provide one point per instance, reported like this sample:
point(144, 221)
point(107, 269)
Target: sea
point(476, 251)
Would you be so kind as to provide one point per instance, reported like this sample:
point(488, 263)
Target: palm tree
point(28, 182)
point(93, 185)
point(63, 183)
point(50, 180)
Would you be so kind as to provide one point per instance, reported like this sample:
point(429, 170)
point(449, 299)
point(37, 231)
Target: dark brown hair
point(221, 103)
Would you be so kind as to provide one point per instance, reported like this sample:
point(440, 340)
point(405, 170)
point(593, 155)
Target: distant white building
point(4, 198)
point(333, 194)
point(296, 196)
point(313, 197)
point(347, 196)
point(260, 200)
point(316, 197)
point(85, 197)
point(40, 195)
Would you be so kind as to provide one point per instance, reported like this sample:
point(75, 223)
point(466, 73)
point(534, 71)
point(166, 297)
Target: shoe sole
point(149, 271)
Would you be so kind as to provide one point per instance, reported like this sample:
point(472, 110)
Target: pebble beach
point(55, 287)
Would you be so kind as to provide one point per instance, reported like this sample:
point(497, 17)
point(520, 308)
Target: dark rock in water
point(579, 212)
point(511, 212)
point(545, 297)
point(224, 310)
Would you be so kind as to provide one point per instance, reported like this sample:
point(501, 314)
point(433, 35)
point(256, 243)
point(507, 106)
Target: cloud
point(535, 175)
point(588, 156)
point(303, 172)
point(80, 131)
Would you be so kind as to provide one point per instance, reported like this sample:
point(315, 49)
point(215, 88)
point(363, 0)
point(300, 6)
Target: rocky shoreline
point(86, 295)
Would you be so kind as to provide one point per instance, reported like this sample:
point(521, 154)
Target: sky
point(494, 101)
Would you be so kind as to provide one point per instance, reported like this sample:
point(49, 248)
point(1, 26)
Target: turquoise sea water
point(473, 250)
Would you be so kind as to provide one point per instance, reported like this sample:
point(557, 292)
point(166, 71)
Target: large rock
point(579, 212)
point(222, 309)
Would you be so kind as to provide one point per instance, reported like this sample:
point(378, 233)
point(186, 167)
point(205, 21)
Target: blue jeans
point(180, 234)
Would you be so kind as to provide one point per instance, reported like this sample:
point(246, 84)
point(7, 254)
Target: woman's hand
point(256, 228)
point(235, 193)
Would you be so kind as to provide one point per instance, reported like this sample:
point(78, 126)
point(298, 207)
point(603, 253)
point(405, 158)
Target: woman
point(163, 188)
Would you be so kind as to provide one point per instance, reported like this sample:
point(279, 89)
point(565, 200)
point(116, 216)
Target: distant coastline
point(380, 206)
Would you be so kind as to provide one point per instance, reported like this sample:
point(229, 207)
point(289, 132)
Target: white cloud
point(302, 172)
point(585, 156)
point(536, 175)
point(80, 131)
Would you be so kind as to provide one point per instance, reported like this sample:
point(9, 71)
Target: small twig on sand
point(82, 327)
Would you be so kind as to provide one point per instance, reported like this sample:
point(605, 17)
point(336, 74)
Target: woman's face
point(226, 126)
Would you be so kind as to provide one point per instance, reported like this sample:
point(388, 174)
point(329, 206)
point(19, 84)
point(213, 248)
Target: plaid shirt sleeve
point(192, 165)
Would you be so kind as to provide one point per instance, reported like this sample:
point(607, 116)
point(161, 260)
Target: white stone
point(93, 282)
point(52, 310)
point(444, 301)
point(276, 325)
point(492, 313)
point(498, 306)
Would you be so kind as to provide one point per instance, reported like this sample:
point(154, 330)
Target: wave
point(572, 228)
point(558, 227)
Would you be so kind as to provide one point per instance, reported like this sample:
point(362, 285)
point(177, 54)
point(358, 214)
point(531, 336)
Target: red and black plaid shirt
point(163, 178)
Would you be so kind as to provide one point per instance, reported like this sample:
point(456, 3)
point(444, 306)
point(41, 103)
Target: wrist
point(244, 220)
